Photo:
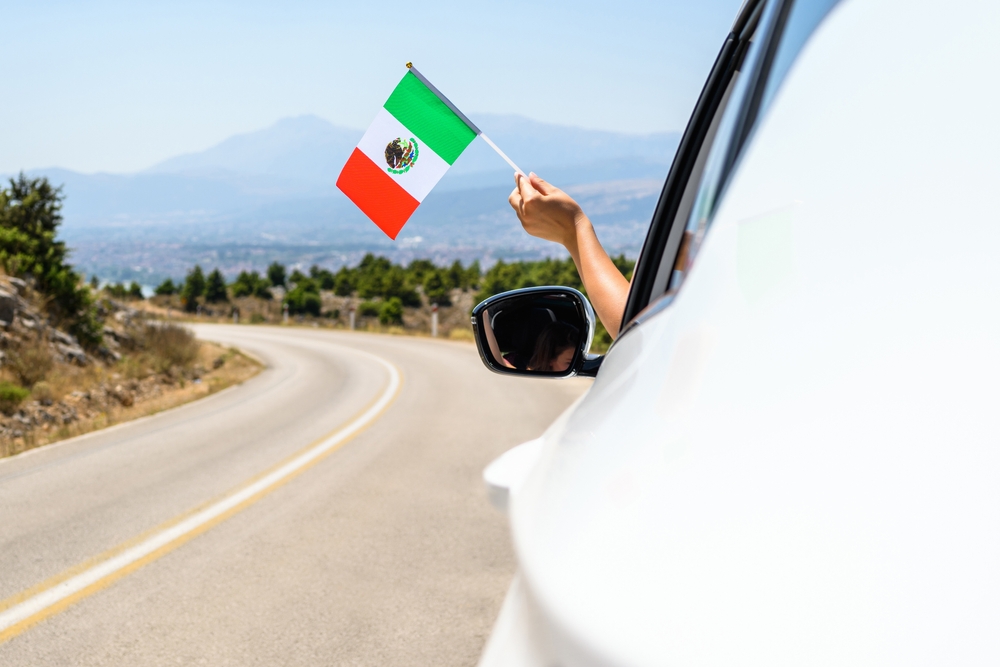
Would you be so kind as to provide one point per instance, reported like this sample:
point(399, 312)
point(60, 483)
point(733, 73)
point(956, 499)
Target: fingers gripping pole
point(502, 154)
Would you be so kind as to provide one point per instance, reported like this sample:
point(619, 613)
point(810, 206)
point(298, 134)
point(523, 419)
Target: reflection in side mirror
point(543, 331)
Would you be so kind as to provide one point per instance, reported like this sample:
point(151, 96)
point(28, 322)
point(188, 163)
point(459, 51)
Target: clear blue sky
point(119, 86)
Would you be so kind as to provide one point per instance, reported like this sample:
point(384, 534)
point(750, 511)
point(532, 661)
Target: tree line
point(375, 277)
point(30, 215)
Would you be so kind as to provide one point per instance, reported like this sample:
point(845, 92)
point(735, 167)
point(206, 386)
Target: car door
point(582, 500)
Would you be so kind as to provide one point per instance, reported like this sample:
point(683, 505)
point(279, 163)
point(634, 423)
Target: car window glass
point(664, 273)
point(802, 21)
point(712, 175)
point(743, 33)
point(765, 69)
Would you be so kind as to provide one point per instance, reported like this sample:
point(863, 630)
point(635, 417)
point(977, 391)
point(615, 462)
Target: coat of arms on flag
point(416, 136)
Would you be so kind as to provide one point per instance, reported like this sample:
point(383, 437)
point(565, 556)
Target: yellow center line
point(25, 609)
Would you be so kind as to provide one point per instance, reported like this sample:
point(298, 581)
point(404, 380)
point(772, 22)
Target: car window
point(664, 273)
point(803, 19)
point(767, 65)
point(652, 270)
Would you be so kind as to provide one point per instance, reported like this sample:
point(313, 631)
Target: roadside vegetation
point(79, 355)
point(75, 358)
point(384, 296)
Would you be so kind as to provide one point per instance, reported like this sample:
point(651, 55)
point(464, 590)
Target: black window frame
point(665, 214)
point(774, 15)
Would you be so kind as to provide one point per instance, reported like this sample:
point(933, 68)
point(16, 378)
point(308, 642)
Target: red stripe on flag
point(380, 198)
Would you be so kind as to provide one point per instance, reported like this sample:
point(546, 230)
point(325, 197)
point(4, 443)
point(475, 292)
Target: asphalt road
point(379, 550)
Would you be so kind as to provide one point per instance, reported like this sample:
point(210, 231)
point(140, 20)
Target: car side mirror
point(540, 331)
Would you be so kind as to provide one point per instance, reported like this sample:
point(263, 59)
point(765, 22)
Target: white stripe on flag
point(425, 172)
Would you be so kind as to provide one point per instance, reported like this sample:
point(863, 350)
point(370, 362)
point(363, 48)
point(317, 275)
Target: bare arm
point(549, 213)
point(491, 339)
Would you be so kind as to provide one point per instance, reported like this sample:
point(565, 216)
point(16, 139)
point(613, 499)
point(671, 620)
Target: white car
point(791, 455)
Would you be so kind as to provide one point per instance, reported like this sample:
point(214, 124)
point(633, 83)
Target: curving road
point(328, 511)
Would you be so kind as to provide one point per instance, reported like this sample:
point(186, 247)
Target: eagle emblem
point(401, 154)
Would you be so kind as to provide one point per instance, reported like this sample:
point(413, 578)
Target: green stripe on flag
point(423, 113)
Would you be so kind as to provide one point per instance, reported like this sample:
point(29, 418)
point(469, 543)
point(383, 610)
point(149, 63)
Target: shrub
point(132, 366)
point(276, 274)
point(343, 282)
point(323, 277)
point(368, 309)
point(503, 276)
point(436, 288)
point(42, 391)
point(135, 291)
point(257, 318)
point(370, 274)
point(418, 269)
point(251, 284)
point(391, 312)
point(166, 288)
point(30, 361)
point(304, 299)
point(169, 346)
point(11, 396)
point(394, 284)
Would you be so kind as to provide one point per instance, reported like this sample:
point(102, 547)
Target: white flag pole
point(502, 154)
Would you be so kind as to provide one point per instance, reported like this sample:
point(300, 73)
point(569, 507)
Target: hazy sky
point(119, 86)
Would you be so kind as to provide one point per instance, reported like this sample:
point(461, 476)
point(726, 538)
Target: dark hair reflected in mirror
point(555, 348)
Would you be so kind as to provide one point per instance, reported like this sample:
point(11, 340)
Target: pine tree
point(215, 288)
point(29, 219)
point(436, 288)
point(194, 287)
point(166, 288)
point(276, 274)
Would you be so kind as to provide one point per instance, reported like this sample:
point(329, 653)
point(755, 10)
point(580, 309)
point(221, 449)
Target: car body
point(791, 454)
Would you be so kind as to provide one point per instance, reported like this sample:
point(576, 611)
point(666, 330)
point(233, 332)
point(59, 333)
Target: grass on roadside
point(223, 368)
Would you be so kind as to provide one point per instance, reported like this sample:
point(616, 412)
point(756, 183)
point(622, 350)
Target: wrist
point(580, 228)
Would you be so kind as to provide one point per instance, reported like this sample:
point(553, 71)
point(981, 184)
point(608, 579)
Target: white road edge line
point(49, 597)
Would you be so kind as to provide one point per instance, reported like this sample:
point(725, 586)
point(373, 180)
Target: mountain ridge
point(272, 193)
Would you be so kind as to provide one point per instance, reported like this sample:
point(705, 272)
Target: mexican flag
point(415, 137)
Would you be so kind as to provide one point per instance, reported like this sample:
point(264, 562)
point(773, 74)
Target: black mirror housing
point(538, 331)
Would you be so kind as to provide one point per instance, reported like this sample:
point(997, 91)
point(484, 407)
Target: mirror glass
point(539, 331)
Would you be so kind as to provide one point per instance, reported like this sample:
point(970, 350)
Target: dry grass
point(461, 334)
point(236, 368)
point(30, 362)
point(163, 347)
point(416, 321)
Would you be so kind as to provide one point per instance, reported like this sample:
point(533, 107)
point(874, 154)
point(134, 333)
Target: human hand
point(545, 211)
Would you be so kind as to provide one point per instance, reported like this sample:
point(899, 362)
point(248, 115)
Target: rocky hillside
point(51, 387)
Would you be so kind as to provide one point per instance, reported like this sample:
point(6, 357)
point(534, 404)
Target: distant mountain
point(305, 148)
point(271, 194)
point(539, 146)
point(310, 150)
